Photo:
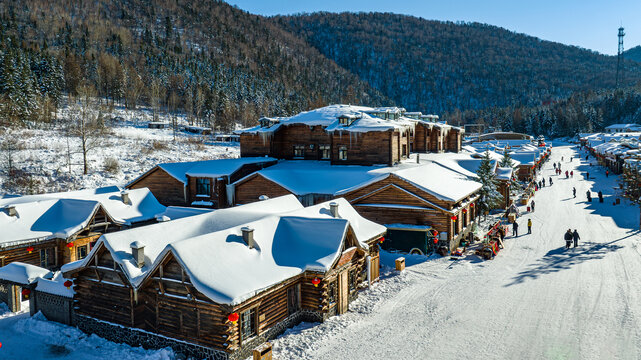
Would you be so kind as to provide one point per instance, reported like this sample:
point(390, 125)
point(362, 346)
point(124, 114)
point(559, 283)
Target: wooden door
point(343, 293)
point(374, 268)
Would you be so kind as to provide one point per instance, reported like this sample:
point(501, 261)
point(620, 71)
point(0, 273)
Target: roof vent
point(138, 252)
point(333, 208)
point(263, 197)
point(124, 195)
point(248, 236)
point(11, 210)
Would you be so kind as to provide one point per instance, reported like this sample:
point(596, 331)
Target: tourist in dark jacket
point(515, 229)
point(576, 237)
point(568, 238)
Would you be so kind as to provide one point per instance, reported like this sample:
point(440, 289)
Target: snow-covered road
point(535, 300)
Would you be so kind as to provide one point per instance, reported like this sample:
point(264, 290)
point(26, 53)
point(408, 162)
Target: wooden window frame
point(203, 182)
point(290, 308)
point(332, 292)
point(342, 153)
point(325, 149)
point(46, 258)
point(253, 316)
point(79, 249)
point(299, 151)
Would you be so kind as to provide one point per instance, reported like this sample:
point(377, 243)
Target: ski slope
point(535, 300)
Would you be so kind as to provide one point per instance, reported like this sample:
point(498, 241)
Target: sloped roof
point(61, 215)
point(22, 273)
point(206, 168)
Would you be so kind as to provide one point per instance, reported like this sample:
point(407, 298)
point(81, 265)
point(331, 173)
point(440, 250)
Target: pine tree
point(490, 198)
point(506, 161)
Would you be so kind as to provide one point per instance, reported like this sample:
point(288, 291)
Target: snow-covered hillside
point(129, 150)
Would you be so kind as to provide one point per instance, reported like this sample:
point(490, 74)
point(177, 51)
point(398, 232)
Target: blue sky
point(589, 24)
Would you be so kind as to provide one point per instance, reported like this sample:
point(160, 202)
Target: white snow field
point(535, 300)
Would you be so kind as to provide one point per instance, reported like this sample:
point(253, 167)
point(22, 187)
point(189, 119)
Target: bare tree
point(86, 122)
point(157, 93)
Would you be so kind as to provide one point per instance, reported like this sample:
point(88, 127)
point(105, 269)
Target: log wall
point(168, 190)
point(249, 190)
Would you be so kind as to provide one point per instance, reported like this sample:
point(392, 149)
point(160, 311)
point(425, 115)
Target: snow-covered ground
point(135, 148)
point(535, 300)
point(34, 338)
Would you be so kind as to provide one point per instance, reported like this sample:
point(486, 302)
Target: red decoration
point(70, 245)
point(316, 281)
point(67, 284)
point(26, 292)
point(30, 249)
point(233, 317)
point(454, 218)
point(435, 240)
point(472, 205)
point(381, 240)
point(464, 211)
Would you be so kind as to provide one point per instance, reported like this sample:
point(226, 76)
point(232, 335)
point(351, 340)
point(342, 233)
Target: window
point(299, 151)
point(333, 292)
point(203, 186)
point(353, 279)
point(247, 324)
point(342, 153)
point(325, 152)
point(81, 252)
point(44, 258)
point(404, 150)
point(455, 223)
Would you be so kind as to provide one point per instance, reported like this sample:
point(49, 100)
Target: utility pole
point(619, 80)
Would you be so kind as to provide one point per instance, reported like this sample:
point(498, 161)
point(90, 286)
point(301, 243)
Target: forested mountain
point(205, 58)
point(633, 53)
point(439, 66)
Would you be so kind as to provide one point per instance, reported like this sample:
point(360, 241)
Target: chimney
point(124, 195)
point(11, 210)
point(248, 236)
point(138, 252)
point(333, 208)
point(418, 158)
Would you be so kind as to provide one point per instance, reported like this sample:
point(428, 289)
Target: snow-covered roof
point(61, 215)
point(328, 118)
point(504, 173)
point(21, 273)
point(635, 127)
point(211, 249)
point(179, 212)
point(206, 168)
point(302, 177)
point(55, 285)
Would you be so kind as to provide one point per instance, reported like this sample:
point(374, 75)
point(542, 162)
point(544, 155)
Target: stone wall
point(53, 307)
point(137, 337)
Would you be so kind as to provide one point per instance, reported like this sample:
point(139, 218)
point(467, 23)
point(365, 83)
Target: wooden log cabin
point(50, 230)
point(340, 134)
point(224, 284)
point(411, 193)
point(197, 183)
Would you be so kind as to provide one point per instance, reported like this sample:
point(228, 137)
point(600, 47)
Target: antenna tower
point(619, 79)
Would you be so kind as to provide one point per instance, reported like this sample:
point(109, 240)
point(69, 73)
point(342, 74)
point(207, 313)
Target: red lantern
point(67, 284)
point(464, 211)
point(315, 281)
point(381, 240)
point(70, 245)
point(435, 240)
point(233, 317)
point(26, 292)
point(454, 217)
point(472, 205)
point(30, 249)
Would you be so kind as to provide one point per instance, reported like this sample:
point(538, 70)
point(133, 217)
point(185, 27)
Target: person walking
point(515, 229)
point(574, 192)
point(550, 181)
point(607, 172)
point(600, 196)
point(575, 237)
point(568, 239)
point(529, 226)
point(543, 182)
point(567, 174)
point(561, 158)
point(589, 195)
point(532, 205)
point(572, 174)
point(554, 164)
point(571, 159)
point(587, 175)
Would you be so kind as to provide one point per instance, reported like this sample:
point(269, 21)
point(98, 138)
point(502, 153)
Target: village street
point(535, 300)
